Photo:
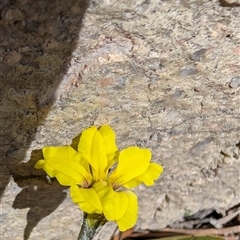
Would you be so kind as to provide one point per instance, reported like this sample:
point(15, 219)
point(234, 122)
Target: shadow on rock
point(224, 3)
point(37, 39)
point(39, 194)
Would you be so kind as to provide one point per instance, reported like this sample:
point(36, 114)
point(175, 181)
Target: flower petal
point(129, 218)
point(133, 162)
point(85, 142)
point(120, 206)
point(114, 204)
point(115, 209)
point(92, 147)
point(63, 163)
point(110, 142)
point(104, 191)
point(152, 173)
point(86, 198)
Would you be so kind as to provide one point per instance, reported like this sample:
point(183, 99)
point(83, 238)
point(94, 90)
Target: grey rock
point(200, 146)
point(188, 71)
point(235, 82)
point(98, 63)
point(197, 55)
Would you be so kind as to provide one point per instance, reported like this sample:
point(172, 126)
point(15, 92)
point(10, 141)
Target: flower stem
point(92, 223)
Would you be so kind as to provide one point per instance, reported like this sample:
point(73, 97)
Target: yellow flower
point(94, 186)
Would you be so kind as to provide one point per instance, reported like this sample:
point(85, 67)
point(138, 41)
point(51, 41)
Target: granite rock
point(68, 65)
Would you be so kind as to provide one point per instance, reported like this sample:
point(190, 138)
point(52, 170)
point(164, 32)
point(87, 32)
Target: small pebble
point(12, 14)
point(13, 57)
point(196, 56)
point(188, 71)
point(235, 82)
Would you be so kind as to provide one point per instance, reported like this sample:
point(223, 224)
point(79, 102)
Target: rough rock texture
point(163, 74)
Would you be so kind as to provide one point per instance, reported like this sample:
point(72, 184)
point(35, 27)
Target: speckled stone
point(67, 65)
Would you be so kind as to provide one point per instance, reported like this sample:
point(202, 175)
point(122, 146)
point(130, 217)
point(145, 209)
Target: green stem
point(92, 224)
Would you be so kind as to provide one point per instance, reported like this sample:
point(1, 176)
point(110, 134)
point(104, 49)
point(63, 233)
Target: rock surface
point(159, 72)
